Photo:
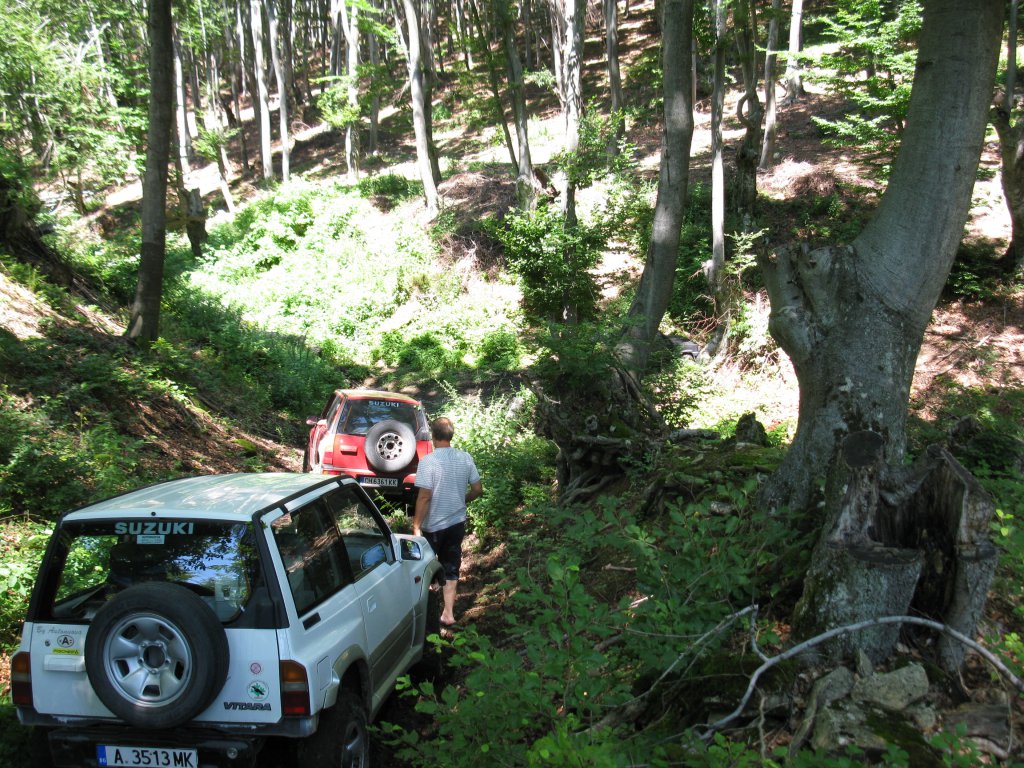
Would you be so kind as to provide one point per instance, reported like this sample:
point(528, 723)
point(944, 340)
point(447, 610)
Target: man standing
point(442, 480)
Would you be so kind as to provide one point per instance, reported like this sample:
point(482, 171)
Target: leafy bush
point(391, 186)
point(500, 350)
point(552, 261)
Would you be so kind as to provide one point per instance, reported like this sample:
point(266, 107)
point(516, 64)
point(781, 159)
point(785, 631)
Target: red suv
point(376, 437)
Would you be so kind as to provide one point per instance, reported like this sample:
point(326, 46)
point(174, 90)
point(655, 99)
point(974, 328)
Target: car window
point(310, 548)
point(366, 537)
point(98, 559)
point(330, 408)
point(363, 414)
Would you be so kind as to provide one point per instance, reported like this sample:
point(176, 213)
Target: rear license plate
point(387, 482)
point(147, 757)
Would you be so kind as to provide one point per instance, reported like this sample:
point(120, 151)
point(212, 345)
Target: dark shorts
point(447, 543)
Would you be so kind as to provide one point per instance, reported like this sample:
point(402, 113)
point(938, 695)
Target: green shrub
point(391, 186)
point(500, 350)
point(552, 261)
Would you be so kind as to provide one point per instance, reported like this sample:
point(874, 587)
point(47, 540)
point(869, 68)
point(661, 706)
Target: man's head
point(442, 430)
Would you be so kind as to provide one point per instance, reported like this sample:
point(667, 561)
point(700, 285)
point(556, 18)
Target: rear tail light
point(21, 679)
point(294, 689)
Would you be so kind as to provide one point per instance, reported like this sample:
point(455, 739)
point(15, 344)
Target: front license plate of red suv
point(146, 757)
point(383, 482)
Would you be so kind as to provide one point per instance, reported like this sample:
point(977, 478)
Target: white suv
point(184, 623)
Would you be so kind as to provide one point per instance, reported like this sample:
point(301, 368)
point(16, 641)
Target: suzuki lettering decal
point(144, 527)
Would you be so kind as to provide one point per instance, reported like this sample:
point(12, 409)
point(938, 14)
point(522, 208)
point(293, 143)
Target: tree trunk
point(527, 186)
point(794, 70)
point(282, 88)
point(419, 113)
point(574, 19)
point(655, 288)
point(770, 124)
point(899, 542)
point(181, 113)
point(1011, 150)
point(852, 319)
point(143, 325)
point(715, 266)
point(611, 37)
point(511, 59)
point(238, 86)
point(261, 99)
point(374, 115)
point(748, 112)
point(350, 26)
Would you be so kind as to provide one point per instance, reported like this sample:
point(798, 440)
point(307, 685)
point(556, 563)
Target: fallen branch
point(796, 650)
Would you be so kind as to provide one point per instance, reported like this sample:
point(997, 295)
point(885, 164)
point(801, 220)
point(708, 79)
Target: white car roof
point(235, 496)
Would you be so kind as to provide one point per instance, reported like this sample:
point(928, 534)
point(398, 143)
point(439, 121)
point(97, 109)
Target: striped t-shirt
point(447, 472)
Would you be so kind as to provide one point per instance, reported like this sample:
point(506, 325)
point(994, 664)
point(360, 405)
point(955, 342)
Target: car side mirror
point(312, 421)
point(411, 550)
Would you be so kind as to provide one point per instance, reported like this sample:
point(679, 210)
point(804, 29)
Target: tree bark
point(852, 319)
point(282, 88)
point(770, 59)
point(143, 325)
point(419, 111)
point(350, 26)
point(748, 111)
point(794, 70)
point(900, 541)
point(1011, 150)
point(715, 266)
point(611, 37)
point(527, 186)
point(261, 99)
point(655, 288)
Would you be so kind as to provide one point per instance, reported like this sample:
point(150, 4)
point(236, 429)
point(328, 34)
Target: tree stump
point(898, 541)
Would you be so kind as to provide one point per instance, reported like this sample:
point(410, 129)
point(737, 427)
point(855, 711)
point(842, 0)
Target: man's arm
point(422, 505)
point(476, 490)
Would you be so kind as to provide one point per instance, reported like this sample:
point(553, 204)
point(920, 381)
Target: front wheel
point(342, 739)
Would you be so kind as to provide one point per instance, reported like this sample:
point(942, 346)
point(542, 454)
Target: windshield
point(363, 414)
point(98, 559)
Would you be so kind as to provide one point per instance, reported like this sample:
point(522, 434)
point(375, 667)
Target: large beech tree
point(852, 318)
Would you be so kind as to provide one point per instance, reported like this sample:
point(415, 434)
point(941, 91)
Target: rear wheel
point(342, 739)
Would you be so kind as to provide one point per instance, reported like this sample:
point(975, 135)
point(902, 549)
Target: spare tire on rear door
point(156, 655)
point(390, 446)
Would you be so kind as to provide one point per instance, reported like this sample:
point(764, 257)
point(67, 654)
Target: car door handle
point(371, 604)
